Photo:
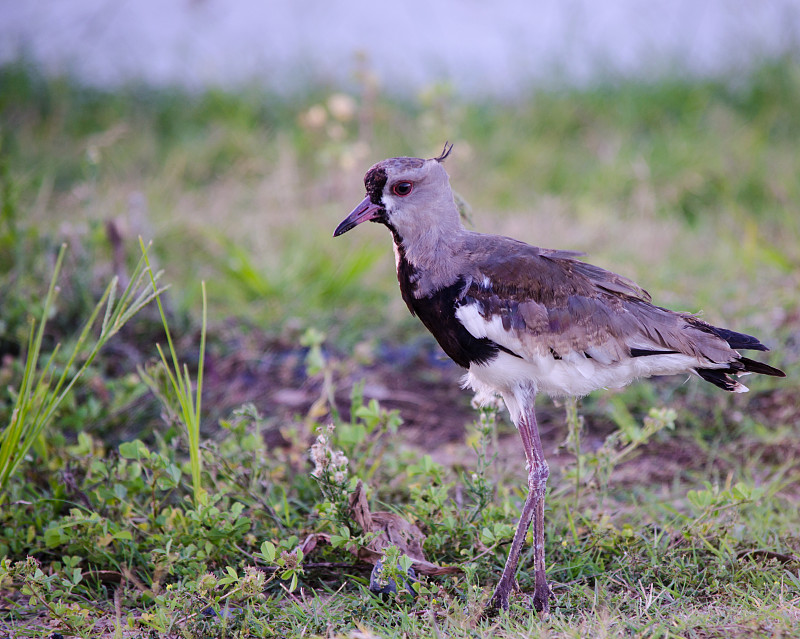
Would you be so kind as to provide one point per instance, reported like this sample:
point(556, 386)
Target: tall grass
point(188, 401)
point(42, 391)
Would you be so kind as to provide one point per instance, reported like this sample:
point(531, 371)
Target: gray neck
point(434, 256)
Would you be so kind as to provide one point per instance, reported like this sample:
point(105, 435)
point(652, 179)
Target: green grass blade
point(39, 396)
point(181, 382)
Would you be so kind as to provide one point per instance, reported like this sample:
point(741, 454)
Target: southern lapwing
point(524, 320)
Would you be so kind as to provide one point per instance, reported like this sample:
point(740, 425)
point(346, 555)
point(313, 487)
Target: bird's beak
point(363, 212)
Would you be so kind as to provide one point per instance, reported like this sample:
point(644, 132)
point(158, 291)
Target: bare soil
point(425, 387)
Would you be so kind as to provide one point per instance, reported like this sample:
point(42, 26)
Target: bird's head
point(409, 195)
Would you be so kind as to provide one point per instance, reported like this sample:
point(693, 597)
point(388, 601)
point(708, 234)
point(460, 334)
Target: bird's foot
point(500, 599)
point(495, 605)
point(541, 599)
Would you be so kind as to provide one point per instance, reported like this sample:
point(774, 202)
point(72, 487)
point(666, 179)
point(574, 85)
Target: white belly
point(572, 375)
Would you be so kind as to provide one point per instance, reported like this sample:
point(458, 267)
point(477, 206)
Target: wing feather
point(533, 301)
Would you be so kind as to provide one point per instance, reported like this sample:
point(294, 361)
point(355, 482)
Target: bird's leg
point(532, 511)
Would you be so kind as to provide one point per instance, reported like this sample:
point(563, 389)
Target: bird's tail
point(741, 366)
point(737, 341)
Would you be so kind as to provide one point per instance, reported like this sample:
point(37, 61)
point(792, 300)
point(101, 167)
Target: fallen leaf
point(392, 530)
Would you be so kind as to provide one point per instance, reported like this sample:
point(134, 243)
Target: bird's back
point(573, 327)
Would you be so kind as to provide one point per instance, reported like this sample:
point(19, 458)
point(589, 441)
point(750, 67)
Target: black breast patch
point(438, 313)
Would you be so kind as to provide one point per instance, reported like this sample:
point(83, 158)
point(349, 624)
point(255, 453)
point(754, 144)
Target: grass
point(672, 508)
point(189, 401)
point(42, 392)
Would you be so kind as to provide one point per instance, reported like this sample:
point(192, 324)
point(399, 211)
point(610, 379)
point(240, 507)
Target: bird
point(523, 320)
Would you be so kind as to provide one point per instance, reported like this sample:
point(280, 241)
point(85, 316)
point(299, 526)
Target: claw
point(494, 606)
point(541, 595)
point(500, 599)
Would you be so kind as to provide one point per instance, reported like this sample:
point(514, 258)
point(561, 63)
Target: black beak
point(362, 213)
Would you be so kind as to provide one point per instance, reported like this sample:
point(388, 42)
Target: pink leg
point(532, 511)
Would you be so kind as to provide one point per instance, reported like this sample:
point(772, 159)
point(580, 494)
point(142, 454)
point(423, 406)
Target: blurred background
point(659, 137)
point(501, 49)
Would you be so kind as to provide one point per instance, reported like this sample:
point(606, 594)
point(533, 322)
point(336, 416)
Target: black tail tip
point(752, 366)
point(739, 341)
point(721, 376)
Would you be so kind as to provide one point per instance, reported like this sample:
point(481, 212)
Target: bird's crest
point(445, 152)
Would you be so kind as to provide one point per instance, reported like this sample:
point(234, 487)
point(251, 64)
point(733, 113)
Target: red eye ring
point(402, 188)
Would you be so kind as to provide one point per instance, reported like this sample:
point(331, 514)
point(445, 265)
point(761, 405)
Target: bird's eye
point(402, 188)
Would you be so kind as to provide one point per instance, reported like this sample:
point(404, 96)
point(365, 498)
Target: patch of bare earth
point(426, 390)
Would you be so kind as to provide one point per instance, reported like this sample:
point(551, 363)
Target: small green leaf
point(134, 450)
point(742, 491)
point(268, 551)
point(54, 537)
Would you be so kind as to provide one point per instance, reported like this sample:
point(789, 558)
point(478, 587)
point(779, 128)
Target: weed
point(42, 392)
point(188, 407)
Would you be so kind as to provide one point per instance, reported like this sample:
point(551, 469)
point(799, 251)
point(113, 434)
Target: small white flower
point(342, 107)
point(315, 117)
point(338, 459)
point(487, 398)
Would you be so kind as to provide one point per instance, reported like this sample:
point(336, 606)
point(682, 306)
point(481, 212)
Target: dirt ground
point(425, 387)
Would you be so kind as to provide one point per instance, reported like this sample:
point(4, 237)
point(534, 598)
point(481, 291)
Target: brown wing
point(548, 300)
